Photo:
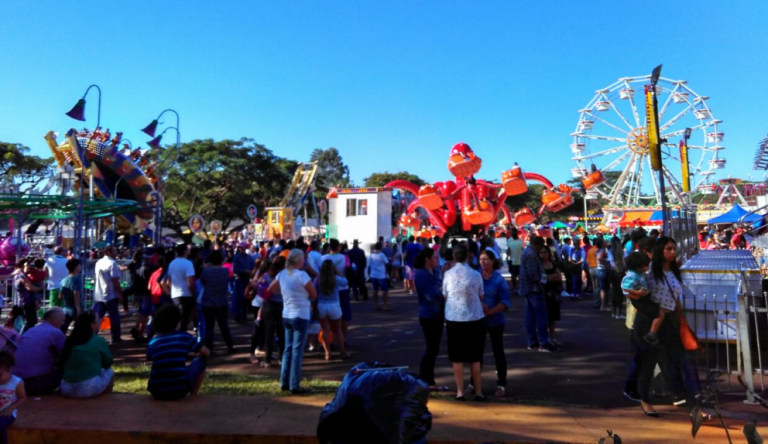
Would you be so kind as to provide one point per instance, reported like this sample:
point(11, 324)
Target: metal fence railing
point(10, 297)
point(733, 334)
point(684, 230)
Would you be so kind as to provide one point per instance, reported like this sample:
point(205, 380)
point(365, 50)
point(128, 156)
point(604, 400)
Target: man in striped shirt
point(170, 378)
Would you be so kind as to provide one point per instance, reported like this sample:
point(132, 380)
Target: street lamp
point(78, 113)
point(155, 144)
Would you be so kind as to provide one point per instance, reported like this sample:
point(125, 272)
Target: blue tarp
point(733, 216)
point(656, 216)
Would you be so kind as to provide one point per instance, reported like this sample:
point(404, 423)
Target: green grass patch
point(133, 379)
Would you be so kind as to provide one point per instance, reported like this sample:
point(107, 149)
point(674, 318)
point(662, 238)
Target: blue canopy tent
point(734, 215)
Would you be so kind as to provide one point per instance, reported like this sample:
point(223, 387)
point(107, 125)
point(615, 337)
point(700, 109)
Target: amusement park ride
point(476, 202)
point(280, 219)
point(115, 173)
point(611, 136)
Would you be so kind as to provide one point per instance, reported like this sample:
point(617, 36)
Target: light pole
point(78, 113)
point(114, 195)
point(155, 144)
point(655, 141)
point(686, 174)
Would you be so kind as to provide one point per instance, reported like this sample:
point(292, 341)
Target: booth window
point(351, 207)
point(362, 207)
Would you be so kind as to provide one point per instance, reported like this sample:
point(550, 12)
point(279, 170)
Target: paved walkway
point(590, 371)
point(134, 419)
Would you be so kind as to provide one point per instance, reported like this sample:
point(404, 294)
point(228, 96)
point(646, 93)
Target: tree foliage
point(219, 179)
point(531, 198)
point(381, 179)
point(21, 169)
point(331, 171)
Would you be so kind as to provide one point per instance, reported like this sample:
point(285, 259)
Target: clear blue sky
point(391, 84)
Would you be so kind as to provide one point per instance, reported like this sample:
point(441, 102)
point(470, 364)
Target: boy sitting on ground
point(170, 378)
point(635, 287)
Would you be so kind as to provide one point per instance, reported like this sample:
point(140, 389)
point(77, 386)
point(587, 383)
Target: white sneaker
point(469, 390)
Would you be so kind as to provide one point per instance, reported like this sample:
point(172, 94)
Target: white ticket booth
point(364, 214)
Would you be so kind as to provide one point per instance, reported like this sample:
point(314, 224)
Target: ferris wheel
point(611, 137)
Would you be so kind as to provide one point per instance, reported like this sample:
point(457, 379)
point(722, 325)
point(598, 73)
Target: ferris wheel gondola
point(611, 138)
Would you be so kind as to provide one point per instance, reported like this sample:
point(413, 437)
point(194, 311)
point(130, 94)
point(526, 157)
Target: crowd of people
point(298, 295)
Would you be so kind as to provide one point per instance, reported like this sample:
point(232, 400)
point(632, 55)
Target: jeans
point(273, 319)
point(691, 373)
point(238, 300)
point(576, 282)
point(568, 281)
point(669, 363)
point(358, 286)
point(631, 386)
point(295, 341)
point(5, 422)
point(42, 385)
point(497, 345)
point(433, 333)
point(216, 315)
point(200, 324)
point(30, 314)
point(187, 305)
point(536, 322)
point(617, 295)
point(112, 307)
point(603, 280)
point(595, 284)
point(257, 337)
point(164, 299)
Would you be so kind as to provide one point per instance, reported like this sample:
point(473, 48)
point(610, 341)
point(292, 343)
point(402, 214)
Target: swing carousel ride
point(476, 202)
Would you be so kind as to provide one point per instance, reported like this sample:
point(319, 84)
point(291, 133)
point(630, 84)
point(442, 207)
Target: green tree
point(18, 168)
point(381, 179)
point(219, 179)
point(331, 171)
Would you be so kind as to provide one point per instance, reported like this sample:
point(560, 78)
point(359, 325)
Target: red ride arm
point(434, 216)
point(404, 185)
point(539, 178)
point(489, 184)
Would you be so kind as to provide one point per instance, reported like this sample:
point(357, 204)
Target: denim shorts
point(146, 308)
point(330, 310)
point(380, 283)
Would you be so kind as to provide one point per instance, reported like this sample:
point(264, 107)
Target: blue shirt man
point(532, 288)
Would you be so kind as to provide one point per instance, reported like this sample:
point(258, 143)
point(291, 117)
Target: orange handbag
point(687, 336)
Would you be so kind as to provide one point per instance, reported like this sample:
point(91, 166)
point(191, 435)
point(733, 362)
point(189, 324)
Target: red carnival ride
point(477, 202)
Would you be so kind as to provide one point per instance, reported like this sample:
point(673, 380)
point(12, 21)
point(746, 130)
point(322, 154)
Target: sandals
point(649, 413)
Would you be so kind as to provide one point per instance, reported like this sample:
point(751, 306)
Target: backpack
point(262, 288)
point(155, 289)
